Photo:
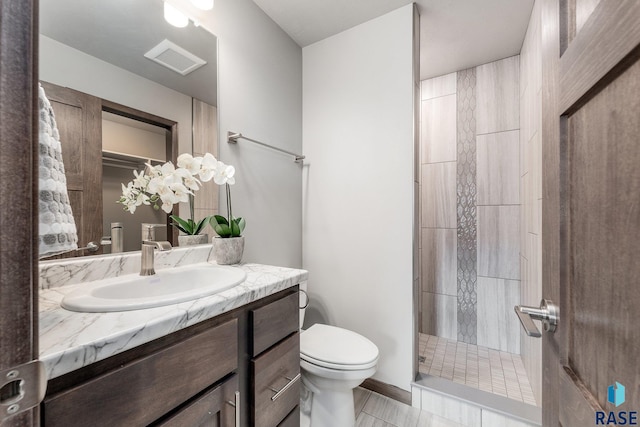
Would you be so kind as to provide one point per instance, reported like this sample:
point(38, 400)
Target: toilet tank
point(303, 301)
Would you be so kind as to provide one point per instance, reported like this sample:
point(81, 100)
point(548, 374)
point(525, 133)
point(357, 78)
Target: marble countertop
point(70, 340)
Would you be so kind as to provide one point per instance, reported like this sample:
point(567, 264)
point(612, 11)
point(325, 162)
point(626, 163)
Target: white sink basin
point(169, 286)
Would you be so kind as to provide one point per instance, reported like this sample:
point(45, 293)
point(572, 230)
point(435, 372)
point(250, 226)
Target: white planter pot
point(190, 240)
point(228, 251)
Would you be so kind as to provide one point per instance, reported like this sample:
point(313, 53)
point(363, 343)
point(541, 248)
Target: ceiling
point(121, 31)
point(454, 34)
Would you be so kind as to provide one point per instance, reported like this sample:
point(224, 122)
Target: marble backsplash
point(73, 271)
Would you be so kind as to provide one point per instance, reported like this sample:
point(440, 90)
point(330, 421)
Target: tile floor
point(479, 367)
point(375, 410)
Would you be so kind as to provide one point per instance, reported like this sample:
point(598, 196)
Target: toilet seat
point(335, 348)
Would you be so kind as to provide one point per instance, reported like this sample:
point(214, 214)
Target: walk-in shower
point(479, 223)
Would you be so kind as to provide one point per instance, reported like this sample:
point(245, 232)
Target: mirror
point(153, 107)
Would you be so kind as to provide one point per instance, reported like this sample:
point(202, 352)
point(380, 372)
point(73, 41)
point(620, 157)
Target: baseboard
point(388, 390)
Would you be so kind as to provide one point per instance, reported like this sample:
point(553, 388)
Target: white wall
point(260, 95)
point(358, 191)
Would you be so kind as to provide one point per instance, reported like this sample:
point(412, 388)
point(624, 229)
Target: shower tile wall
point(466, 187)
point(531, 189)
point(470, 192)
point(438, 204)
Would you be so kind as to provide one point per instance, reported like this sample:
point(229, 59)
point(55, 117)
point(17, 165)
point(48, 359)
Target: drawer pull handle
point(236, 405)
point(285, 388)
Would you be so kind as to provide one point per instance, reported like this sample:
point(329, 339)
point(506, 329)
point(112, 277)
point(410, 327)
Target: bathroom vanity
point(229, 359)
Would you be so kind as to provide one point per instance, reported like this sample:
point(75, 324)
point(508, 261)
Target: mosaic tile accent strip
point(497, 372)
point(466, 206)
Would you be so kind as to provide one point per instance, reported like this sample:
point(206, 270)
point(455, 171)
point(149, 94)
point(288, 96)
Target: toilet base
point(306, 397)
point(330, 409)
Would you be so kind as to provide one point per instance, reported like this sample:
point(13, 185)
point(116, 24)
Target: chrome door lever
point(548, 313)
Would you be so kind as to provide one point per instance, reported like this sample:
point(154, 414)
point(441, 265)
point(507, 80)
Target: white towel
point(57, 232)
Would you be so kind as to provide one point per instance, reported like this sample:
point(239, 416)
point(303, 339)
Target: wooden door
point(18, 195)
point(591, 209)
point(79, 120)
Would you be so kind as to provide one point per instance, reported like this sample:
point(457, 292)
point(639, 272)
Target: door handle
point(548, 313)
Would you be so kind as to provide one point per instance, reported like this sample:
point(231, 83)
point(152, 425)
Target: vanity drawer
point(143, 390)
point(276, 382)
point(292, 420)
point(273, 322)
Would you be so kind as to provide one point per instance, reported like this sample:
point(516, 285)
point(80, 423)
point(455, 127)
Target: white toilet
point(333, 362)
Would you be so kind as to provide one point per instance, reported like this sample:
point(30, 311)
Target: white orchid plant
point(162, 186)
point(229, 226)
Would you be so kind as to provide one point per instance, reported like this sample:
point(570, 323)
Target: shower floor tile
point(483, 368)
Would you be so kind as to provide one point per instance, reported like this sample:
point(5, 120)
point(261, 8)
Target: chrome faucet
point(149, 245)
point(116, 239)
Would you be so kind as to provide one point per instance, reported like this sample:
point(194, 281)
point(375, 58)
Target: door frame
point(171, 145)
point(550, 34)
point(19, 190)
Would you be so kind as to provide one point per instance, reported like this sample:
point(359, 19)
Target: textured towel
point(57, 232)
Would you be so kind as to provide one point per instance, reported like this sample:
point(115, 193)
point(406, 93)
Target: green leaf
point(180, 221)
point(235, 229)
point(200, 225)
point(180, 228)
point(218, 219)
point(241, 223)
point(182, 225)
point(223, 230)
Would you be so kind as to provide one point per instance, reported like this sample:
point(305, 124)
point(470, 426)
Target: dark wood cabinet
point(144, 390)
point(292, 420)
point(193, 377)
point(276, 387)
point(215, 407)
point(274, 322)
point(275, 367)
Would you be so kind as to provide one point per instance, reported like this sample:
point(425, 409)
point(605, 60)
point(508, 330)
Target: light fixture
point(174, 17)
point(203, 4)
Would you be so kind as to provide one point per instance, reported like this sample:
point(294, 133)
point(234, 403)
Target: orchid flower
point(165, 185)
point(224, 174)
point(208, 167)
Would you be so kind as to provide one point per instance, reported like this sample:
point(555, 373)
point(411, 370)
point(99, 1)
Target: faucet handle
point(149, 231)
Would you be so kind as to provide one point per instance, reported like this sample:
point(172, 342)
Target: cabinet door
point(146, 389)
point(215, 408)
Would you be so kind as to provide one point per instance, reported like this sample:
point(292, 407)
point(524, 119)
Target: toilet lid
point(335, 347)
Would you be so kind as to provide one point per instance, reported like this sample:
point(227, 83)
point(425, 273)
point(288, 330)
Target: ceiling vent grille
point(175, 58)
